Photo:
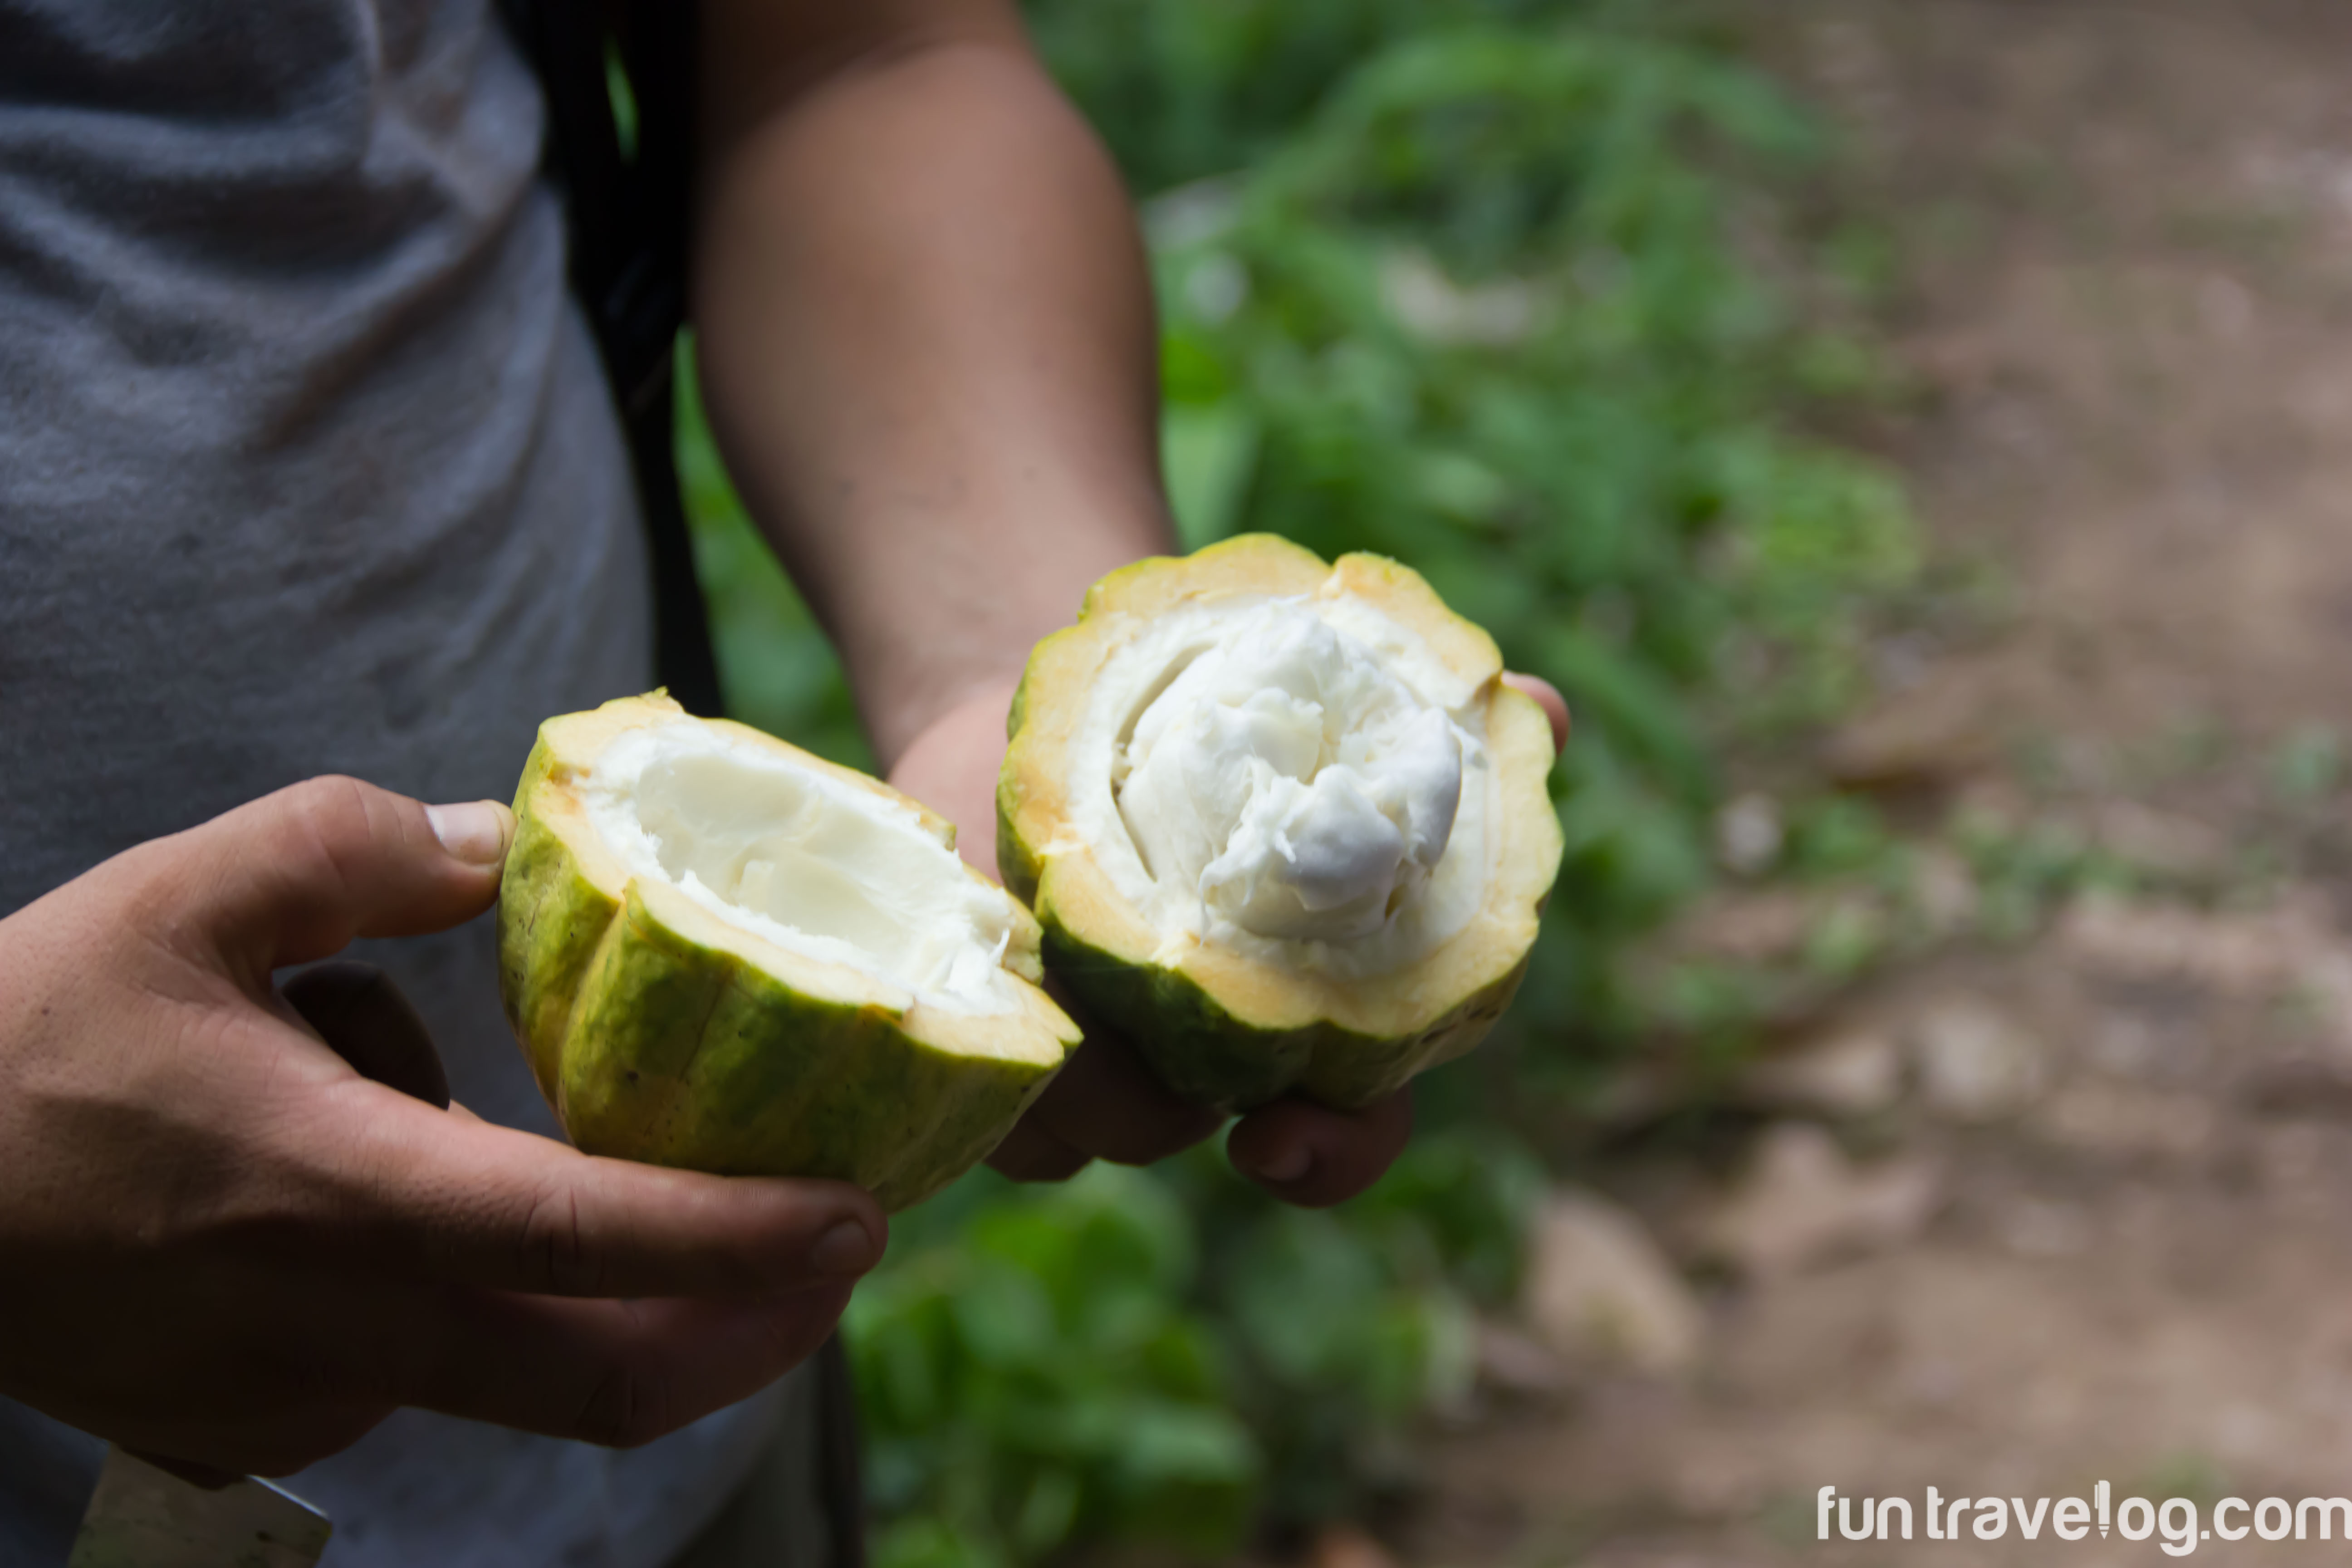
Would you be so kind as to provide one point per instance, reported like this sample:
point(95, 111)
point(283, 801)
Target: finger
point(1313, 1156)
point(296, 875)
point(1107, 1105)
point(1030, 1154)
point(363, 1019)
point(616, 1373)
point(1548, 698)
point(459, 1200)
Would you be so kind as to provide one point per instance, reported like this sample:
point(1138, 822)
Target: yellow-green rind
point(653, 1044)
point(1206, 1055)
point(1201, 1037)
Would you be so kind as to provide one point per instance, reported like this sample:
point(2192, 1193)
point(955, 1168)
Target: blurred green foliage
point(1030, 1371)
point(1164, 1355)
point(1505, 290)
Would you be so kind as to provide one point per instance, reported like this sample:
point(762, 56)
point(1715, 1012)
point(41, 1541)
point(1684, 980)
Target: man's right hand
point(219, 1243)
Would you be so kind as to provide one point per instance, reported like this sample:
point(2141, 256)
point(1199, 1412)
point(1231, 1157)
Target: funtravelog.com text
point(2177, 1522)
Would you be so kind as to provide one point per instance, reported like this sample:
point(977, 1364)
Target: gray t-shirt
point(307, 466)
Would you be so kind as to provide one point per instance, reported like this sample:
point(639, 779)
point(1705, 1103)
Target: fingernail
point(1287, 1166)
point(847, 1248)
point(474, 831)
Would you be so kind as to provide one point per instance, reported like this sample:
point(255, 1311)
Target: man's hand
point(1106, 1104)
point(221, 1244)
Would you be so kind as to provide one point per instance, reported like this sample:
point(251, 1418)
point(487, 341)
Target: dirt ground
point(2111, 1230)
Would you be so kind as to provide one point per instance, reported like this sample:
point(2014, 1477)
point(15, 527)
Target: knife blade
point(144, 1516)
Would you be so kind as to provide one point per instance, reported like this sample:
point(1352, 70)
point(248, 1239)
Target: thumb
point(297, 875)
point(1548, 698)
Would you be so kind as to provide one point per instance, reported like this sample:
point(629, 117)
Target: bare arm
point(927, 336)
point(929, 351)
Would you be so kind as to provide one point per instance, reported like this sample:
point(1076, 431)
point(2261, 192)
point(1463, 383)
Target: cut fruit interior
point(1301, 789)
point(1255, 774)
point(826, 870)
point(721, 952)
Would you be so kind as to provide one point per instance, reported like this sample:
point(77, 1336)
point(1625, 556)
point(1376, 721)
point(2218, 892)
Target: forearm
point(928, 347)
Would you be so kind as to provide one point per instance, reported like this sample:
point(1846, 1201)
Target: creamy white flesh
point(1299, 780)
point(820, 868)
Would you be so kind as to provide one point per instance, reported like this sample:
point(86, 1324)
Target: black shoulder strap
point(628, 214)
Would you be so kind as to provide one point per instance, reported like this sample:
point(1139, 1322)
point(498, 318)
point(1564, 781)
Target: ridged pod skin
point(1217, 1028)
point(659, 1034)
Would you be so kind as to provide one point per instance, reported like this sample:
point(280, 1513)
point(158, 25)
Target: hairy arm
point(927, 336)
